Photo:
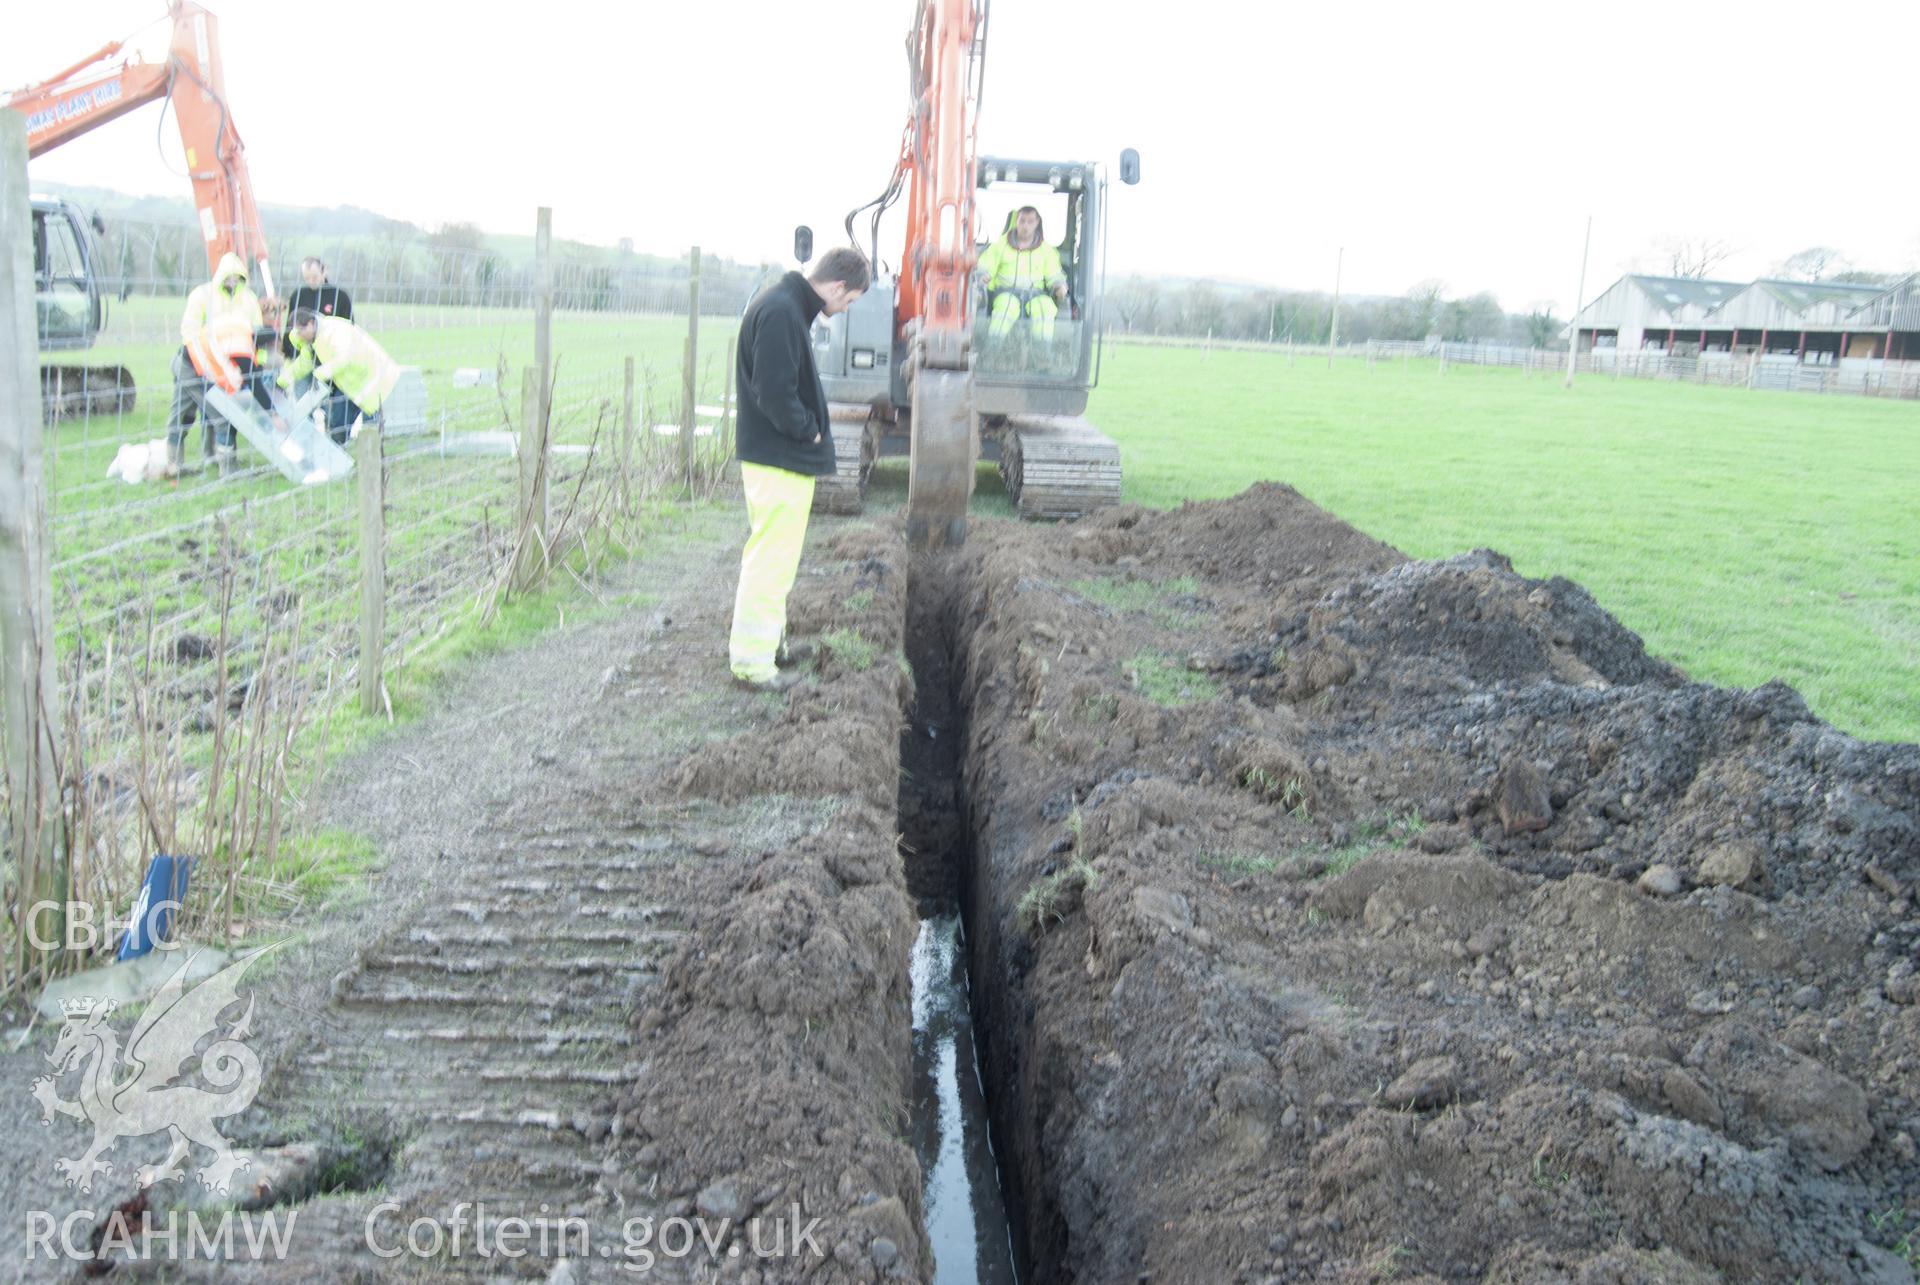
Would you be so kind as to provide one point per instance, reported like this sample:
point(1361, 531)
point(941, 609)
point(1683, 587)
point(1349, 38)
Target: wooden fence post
point(371, 467)
point(626, 439)
point(543, 307)
point(533, 484)
point(26, 598)
point(689, 384)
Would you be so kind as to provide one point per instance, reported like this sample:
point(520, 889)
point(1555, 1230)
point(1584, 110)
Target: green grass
point(1342, 859)
point(519, 622)
point(1746, 536)
point(1045, 901)
point(1370, 835)
point(1166, 681)
point(317, 864)
point(1143, 596)
point(305, 540)
point(1387, 828)
point(1896, 1222)
point(1240, 863)
point(853, 648)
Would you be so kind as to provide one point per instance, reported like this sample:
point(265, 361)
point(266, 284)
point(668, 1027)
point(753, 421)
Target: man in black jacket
point(784, 442)
point(317, 295)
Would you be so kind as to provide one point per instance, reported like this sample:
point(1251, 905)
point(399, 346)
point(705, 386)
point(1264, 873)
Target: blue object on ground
point(152, 919)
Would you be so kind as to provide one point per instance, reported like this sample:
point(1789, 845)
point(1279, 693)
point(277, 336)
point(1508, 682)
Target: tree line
point(1428, 310)
point(1154, 306)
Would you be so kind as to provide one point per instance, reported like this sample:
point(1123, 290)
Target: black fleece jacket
point(782, 420)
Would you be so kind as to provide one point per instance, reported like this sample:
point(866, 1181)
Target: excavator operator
point(1021, 265)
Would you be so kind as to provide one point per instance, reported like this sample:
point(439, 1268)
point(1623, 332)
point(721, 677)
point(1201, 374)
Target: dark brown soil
point(781, 1042)
point(1365, 982)
point(639, 951)
point(1334, 917)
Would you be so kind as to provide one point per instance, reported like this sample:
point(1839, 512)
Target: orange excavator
point(104, 86)
point(915, 365)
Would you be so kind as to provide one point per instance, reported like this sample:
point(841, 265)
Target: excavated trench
point(973, 1216)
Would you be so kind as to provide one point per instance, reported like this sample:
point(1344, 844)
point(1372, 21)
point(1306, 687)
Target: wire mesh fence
point(209, 604)
point(1782, 372)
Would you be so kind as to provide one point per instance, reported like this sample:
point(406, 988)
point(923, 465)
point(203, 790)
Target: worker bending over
point(332, 350)
point(319, 295)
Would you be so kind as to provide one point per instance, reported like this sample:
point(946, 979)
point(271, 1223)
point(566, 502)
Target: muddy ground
point(638, 950)
point(1346, 917)
point(1333, 917)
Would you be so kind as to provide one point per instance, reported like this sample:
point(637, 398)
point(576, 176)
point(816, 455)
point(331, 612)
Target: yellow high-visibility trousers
point(1041, 309)
point(777, 506)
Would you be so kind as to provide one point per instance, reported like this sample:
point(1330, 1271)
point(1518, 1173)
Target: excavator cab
point(1043, 363)
point(863, 361)
point(1029, 383)
point(70, 308)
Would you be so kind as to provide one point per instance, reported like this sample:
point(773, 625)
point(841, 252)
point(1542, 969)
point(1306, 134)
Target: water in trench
point(966, 1214)
point(967, 1217)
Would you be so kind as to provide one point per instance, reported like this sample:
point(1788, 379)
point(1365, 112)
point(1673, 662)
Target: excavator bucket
point(944, 445)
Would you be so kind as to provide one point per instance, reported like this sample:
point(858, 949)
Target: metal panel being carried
point(301, 451)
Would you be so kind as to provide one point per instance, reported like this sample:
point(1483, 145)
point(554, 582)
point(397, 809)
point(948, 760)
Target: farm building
point(1820, 322)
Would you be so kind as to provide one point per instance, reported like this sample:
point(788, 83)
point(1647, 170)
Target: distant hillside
point(342, 220)
point(153, 246)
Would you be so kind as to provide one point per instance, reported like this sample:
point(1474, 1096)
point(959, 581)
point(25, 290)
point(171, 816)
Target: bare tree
point(1200, 308)
point(1422, 309)
point(1863, 277)
point(1694, 256)
point(1815, 263)
point(1134, 302)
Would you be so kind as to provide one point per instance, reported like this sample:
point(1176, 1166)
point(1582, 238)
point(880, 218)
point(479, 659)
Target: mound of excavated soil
point(1342, 917)
point(779, 1046)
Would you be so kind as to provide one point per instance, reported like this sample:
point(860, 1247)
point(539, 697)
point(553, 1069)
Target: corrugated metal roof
point(1814, 305)
point(1897, 306)
point(1802, 295)
point(1679, 292)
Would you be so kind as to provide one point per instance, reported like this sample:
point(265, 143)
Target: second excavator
point(101, 87)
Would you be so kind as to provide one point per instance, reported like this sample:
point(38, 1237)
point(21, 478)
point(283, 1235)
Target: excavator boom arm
point(84, 97)
point(939, 258)
point(933, 306)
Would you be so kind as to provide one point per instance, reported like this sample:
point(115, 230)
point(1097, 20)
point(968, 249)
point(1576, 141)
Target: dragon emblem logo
point(151, 1085)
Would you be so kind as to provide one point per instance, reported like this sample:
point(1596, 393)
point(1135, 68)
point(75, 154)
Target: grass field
point(149, 542)
point(590, 348)
point(1746, 536)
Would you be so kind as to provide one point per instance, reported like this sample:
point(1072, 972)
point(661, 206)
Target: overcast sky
point(1466, 142)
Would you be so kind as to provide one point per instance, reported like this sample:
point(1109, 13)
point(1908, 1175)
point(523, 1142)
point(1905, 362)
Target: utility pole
point(1573, 325)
